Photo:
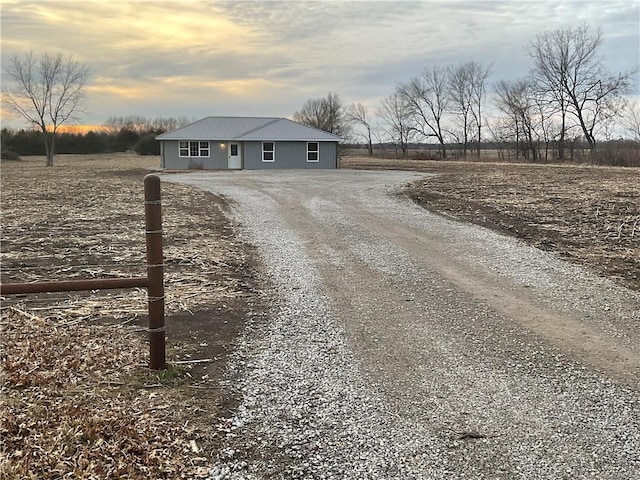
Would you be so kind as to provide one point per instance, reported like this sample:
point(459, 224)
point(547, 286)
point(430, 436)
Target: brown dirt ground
point(588, 215)
point(76, 397)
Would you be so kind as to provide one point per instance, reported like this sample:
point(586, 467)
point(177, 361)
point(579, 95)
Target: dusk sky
point(198, 58)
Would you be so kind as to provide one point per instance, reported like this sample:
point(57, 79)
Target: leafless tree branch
point(46, 92)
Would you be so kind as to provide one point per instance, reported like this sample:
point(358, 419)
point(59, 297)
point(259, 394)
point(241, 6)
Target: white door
point(235, 156)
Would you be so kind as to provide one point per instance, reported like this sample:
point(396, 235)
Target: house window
point(193, 149)
point(268, 151)
point(313, 149)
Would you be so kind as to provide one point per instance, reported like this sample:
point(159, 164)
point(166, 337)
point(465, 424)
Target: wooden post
point(155, 272)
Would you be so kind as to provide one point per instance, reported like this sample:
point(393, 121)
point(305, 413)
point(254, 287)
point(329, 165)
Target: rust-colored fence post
point(155, 271)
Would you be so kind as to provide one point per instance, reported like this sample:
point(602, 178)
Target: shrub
point(10, 155)
point(147, 145)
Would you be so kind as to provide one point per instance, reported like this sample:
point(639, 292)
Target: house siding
point(171, 160)
point(290, 138)
point(289, 155)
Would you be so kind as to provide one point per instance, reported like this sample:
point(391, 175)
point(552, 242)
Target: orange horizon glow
point(82, 129)
point(74, 129)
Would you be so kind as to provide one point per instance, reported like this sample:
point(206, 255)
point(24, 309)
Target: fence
point(153, 282)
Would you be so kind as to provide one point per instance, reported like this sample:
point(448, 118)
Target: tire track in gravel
point(472, 383)
point(565, 330)
point(584, 342)
point(449, 364)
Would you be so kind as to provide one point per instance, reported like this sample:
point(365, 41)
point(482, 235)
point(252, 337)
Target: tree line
point(119, 134)
point(569, 97)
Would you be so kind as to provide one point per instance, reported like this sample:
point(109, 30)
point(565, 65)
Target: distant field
point(589, 215)
point(427, 154)
point(621, 153)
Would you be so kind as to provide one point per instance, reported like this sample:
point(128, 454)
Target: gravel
point(383, 356)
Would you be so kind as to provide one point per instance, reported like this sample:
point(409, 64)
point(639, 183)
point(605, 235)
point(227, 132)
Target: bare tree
point(167, 124)
point(396, 115)
point(142, 125)
point(515, 100)
point(133, 123)
point(47, 92)
point(466, 88)
point(460, 96)
point(543, 112)
point(501, 130)
point(326, 114)
point(427, 98)
point(478, 75)
point(631, 120)
point(568, 68)
point(358, 114)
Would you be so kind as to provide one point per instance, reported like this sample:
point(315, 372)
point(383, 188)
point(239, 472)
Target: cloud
point(177, 57)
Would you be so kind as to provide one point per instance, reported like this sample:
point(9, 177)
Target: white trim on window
point(196, 148)
point(183, 148)
point(269, 154)
point(313, 152)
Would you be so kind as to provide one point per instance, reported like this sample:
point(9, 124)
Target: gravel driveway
point(404, 345)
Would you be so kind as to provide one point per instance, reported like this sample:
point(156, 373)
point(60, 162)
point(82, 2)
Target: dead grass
point(77, 398)
point(69, 406)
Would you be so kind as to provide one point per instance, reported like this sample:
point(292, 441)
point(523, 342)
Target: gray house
point(247, 142)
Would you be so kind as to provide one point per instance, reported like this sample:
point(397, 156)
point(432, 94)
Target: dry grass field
point(77, 397)
point(589, 215)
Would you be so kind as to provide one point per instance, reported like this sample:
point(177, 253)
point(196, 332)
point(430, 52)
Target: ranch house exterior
point(247, 143)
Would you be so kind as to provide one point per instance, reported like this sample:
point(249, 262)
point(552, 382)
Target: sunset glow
point(82, 129)
point(183, 58)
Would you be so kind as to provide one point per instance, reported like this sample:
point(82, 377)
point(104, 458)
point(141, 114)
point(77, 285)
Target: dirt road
point(402, 344)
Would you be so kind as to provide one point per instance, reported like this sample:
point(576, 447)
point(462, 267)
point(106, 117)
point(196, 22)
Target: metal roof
point(248, 128)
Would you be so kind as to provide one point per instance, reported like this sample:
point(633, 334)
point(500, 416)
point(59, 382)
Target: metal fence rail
point(153, 282)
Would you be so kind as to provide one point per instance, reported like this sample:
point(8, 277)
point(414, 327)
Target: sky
point(192, 59)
